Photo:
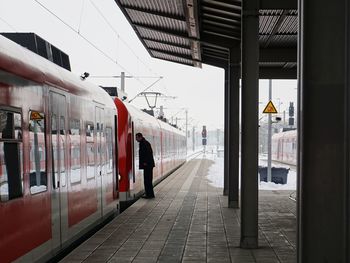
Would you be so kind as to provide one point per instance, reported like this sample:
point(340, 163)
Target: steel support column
point(233, 137)
point(226, 132)
point(249, 148)
point(323, 185)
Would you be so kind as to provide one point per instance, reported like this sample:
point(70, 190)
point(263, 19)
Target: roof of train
point(146, 118)
point(21, 62)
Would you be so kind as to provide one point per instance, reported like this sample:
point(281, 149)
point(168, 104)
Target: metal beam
point(236, 19)
point(277, 73)
point(233, 4)
point(323, 137)
point(191, 11)
point(216, 56)
point(278, 55)
point(189, 57)
point(279, 4)
point(221, 24)
point(282, 55)
point(156, 13)
point(219, 11)
point(214, 62)
point(216, 33)
point(216, 40)
point(226, 132)
point(164, 31)
point(233, 128)
point(172, 60)
point(250, 145)
point(167, 43)
point(221, 18)
point(216, 50)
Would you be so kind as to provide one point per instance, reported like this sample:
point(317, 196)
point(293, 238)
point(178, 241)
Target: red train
point(284, 147)
point(168, 143)
point(59, 155)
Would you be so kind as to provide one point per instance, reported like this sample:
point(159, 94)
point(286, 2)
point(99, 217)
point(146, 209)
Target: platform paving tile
point(189, 221)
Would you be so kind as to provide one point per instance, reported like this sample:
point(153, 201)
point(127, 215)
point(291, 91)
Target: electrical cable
point(115, 31)
point(87, 40)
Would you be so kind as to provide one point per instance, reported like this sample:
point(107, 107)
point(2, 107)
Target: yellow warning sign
point(270, 108)
point(36, 116)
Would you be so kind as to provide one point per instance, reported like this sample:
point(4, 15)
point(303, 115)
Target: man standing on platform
point(146, 162)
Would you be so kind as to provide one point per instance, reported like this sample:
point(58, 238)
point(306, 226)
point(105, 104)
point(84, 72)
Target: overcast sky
point(99, 40)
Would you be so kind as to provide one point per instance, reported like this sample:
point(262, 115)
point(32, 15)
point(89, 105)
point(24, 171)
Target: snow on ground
point(216, 173)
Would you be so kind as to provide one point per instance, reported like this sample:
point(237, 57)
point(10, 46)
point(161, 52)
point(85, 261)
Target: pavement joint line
point(189, 178)
point(123, 221)
point(175, 178)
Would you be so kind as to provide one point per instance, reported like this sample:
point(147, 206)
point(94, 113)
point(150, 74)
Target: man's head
point(138, 136)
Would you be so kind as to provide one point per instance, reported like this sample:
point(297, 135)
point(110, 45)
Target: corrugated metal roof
point(174, 7)
point(164, 47)
point(149, 34)
point(172, 58)
point(143, 18)
point(195, 31)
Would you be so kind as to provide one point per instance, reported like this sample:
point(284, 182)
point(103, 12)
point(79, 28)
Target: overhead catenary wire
point(3, 20)
point(115, 31)
point(87, 40)
point(80, 35)
point(81, 14)
point(146, 88)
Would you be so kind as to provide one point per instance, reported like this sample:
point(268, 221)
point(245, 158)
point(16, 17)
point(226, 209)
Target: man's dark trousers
point(147, 179)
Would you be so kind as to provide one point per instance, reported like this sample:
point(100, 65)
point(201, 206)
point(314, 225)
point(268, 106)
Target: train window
point(90, 151)
point(62, 126)
point(89, 132)
point(54, 150)
point(62, 138)
point(75, 151)
point(11, 177)
point(75, 127)
point(37, 156)
point(109, 149)
point(90, 162)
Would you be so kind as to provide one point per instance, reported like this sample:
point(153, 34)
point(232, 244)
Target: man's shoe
point(147, 197)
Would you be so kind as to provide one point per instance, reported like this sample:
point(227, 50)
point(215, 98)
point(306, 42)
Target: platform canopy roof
point(193, 32)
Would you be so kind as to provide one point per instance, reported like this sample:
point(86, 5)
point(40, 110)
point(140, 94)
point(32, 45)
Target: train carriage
point(57, 156)
point(62, 143)
point(284, 147)
point(168, 144)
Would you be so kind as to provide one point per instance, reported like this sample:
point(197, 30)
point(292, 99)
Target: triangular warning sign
point(270, 108)
point(35, 116)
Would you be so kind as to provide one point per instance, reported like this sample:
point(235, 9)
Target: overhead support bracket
point(191, 12)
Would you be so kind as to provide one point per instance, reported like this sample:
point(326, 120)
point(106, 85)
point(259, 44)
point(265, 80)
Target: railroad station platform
point(189, 221)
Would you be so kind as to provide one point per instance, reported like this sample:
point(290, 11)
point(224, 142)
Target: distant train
point(59, 148)
point(284, 147)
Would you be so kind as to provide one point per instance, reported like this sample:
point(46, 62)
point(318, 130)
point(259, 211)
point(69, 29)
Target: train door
point(58, 108)
point(101, 158)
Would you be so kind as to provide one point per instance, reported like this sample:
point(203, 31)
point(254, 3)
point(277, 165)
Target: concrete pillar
point(233, 120)
point(249, 147)
point(226, 127)
point(324, 77)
